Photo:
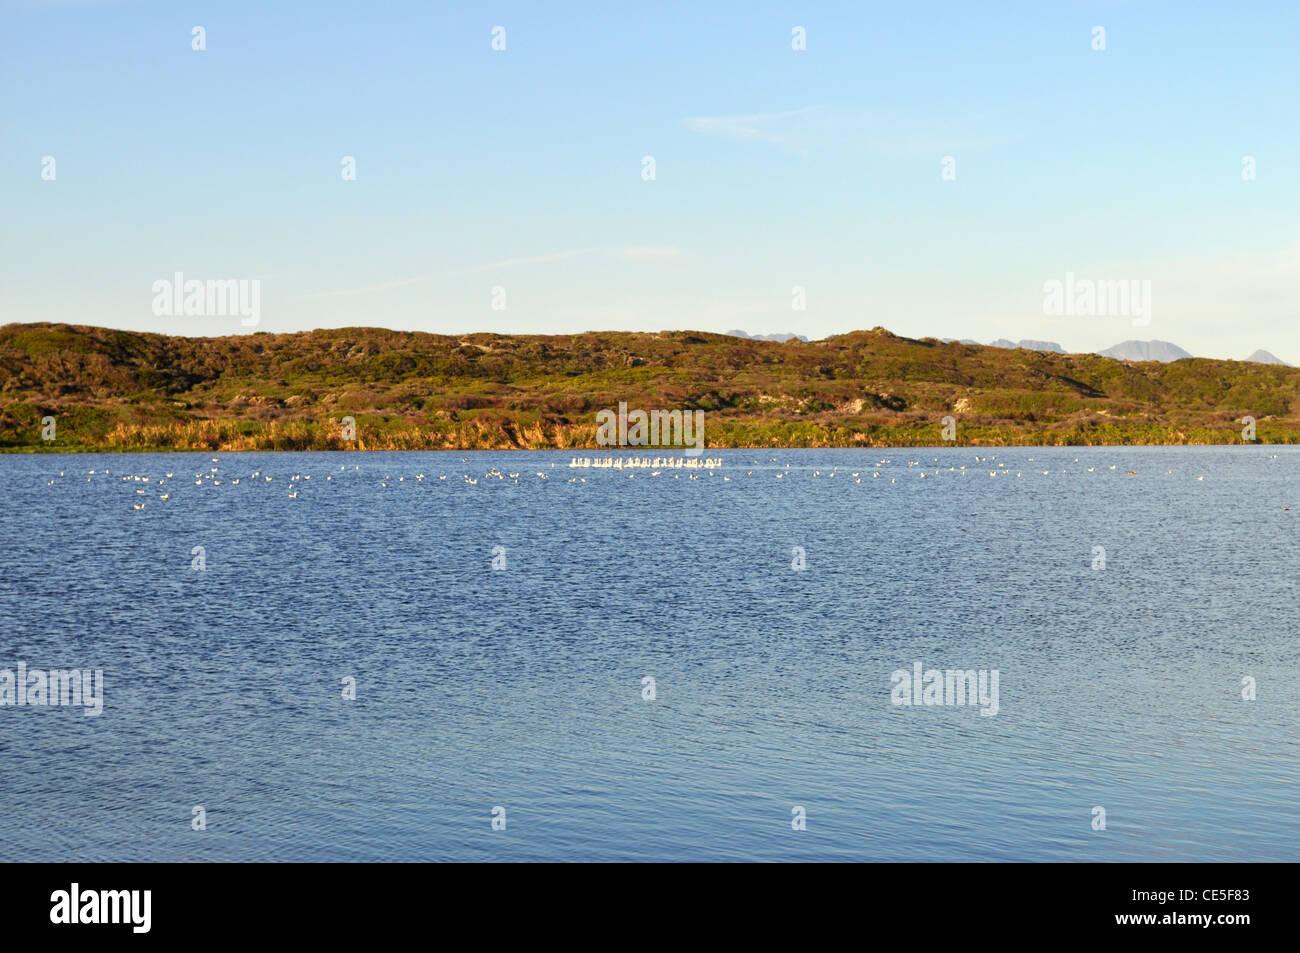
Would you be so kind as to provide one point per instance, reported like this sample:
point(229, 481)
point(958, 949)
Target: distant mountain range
point(1003, 342)
point(780, 338)
point(1161, 351)
point(1030, 345)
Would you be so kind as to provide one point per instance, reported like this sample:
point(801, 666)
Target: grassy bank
point(120, 390)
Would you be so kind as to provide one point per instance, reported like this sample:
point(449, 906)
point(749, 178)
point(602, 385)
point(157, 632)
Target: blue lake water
point(521, 688)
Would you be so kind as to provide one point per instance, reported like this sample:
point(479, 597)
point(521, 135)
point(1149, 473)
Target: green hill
point(123, 390)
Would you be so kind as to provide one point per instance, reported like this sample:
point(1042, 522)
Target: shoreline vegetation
point(110, 390)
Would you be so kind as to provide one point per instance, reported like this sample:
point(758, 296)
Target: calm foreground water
point(523, 688)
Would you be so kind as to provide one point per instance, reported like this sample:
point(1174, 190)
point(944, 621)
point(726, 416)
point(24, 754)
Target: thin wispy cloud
point(825, 129)
point(535, 259)
point(645, 253)
point(633, 253)
point(779, 128)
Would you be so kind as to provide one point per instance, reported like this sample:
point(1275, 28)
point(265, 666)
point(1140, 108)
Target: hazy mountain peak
point(782, 338)
point(1264, 357)
point(1042, 346)
point(1145, 351)
point(1029, 345)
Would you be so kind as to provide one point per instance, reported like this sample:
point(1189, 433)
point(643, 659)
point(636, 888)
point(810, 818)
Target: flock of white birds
point(162, 485)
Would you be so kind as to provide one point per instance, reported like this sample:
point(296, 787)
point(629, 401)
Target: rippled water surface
point(1118, 688)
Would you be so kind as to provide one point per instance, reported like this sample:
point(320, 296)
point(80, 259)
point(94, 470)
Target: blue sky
point(775, 168)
